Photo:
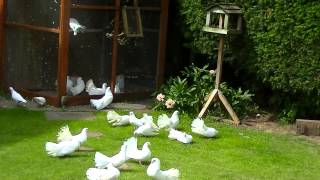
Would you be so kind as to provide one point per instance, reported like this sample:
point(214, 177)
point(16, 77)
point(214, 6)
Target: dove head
point(176, 112)
point(11, 89)
point(85, 130)
point(155, 161)
point(131, 113)
point(104, 85)
point(146, 144)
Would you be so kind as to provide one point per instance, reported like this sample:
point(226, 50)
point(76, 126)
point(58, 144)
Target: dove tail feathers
point(64, 134)
point(51, 148)
point(174, 174)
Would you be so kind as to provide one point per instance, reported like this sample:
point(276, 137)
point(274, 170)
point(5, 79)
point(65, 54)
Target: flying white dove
point(168, 123)
point(102, 161)
point(65, 135)
point(117, 120)
point(76, 26)
point(104, 101)
point(199, 127)
point(155, 172)
point(134, 153)
point(180, 136)
point(41, 101)
point(16, 97)
point(62, 148)
point(111, 173)
point(146, 130)
point(78, 88)
point(93, 90)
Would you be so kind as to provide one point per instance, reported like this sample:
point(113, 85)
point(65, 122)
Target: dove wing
point(64, 134)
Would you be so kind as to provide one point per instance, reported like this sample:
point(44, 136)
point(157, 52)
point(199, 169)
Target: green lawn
point(237, 153)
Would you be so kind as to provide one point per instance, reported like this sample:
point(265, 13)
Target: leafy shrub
point(190, 92)
point(282, 47)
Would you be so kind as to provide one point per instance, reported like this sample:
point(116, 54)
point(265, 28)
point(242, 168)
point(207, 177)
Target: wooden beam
point(219, 62)
point(2, 44)
point(63, 47)
point(92, 7)
point(150, 8)
point(205, 107)
point(32, 27)
point(229, 108)
point(115, 45)
point(162, 43)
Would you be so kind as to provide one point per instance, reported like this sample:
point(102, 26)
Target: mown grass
point(237, 153)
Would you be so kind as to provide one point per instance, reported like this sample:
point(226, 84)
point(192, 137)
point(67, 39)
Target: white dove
point(41, 101)
point(76, 26)
point(102, 161)
point(16, 97)
point(134, 153)
point(62, 148)
point(180, 136)
point(111, 173)
point(134, 120)
point(104, 101)
point(199, 127)
point(168, 123)
point(117, 120)
point(93, 90)
point(78, 88)
point(69, 85)
point(155, 172)
point(65, 135)
point(146, 130)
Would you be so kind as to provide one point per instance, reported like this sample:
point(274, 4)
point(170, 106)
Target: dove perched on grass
point(76, 26)
point(180, 136)
point(78, 88)
point(104, 101)
point(93, 90)
point(146, 130)
point(102, 161)
point(62, 148)
point(111, 173)
point(134, 120)
point(41, 101)
point(168, 123)
point(65, 135)
point(155, 172)
point(199, 127)
point(17, 98)
point(117, 120)
point(134, 153)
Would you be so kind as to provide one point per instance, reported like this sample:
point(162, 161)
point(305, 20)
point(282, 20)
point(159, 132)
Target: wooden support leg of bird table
point(205, 107)
point(229, 108)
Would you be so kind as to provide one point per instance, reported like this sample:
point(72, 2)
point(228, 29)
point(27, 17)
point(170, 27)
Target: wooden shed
point(39, 51)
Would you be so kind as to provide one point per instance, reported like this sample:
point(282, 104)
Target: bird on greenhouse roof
point(76, 26)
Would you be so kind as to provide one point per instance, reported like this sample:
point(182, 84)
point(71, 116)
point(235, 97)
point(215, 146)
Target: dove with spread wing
point(104, 101)
point(16, 97)
point(76, 26)
point(65, 135)
point(111, 173)
point(134, 153)
point(200, 128)
point(102, 161)
point(155, 172)
point(168, 123)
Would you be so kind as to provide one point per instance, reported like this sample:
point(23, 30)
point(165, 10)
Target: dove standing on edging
point(16, 97)
point(104, 101)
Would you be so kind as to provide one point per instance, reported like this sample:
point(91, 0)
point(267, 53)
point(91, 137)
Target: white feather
point(155, 172)
point(104, 101)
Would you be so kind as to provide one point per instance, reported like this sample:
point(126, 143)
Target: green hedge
point(280, 47)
